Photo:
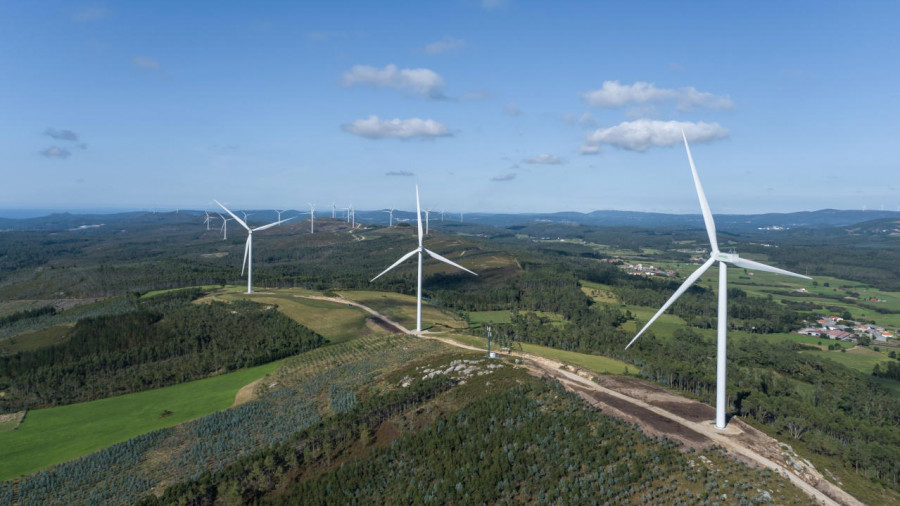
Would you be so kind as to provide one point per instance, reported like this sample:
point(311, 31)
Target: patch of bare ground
point(384, 325)
point(247, 393)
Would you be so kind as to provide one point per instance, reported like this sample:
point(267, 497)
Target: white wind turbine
point(224, 226)
point(206, 220)
point(723, 259)
point(248, 246)
point(312, 218)
point(390, 217)
point(427, 213)
point(420, 249)
point(332, 209)
point(279, 213)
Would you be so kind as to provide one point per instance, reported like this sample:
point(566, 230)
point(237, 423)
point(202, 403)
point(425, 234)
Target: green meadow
point(53, 435)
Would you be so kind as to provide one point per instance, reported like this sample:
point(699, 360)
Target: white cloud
point(614, 94)
point(64, 135)
point(642, 134)
point(375, 128)
point(145, 63)
point(504, 177)
point(56, 152)
point(422, 81)
point(544, 159)
point(90, 14)
point(512, 109)
point(448, 43)
point(490, 5)
point(476, 95)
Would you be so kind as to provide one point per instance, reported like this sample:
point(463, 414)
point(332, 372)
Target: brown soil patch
point(246, 394)
point(384, 325)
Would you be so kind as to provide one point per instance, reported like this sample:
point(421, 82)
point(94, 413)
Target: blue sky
point(489, 105)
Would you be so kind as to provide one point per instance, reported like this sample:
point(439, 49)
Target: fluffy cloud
point(64, 135)
point(146, 63)
point(544, 159)
point(375, 128)
point(614, 94)
point(504, 177)
point(446, 44)
point(403, 173)
point(642, 134)
point(421, 81)
point(512, 109)
point(56, 152)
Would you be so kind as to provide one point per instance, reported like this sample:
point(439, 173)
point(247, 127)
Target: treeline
point(166, 340)
point(887, 370)
point(26, 314)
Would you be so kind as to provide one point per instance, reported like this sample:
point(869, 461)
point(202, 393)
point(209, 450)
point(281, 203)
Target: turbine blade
point(750, 264)
point(419, 215)
point(446, 261)
point(681, 289)
point(232, 214)
point(395, 264)
point(270, 225)
point(704, 205)
point(246, 249)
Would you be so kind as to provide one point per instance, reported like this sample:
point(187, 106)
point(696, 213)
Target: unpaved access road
point(660, 412)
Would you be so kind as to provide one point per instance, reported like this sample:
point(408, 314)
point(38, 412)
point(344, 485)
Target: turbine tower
point(332, 209)
point(724, 259)
point(390, 217)
point(224, 226)
point(312, 218)
point(420, 250)
point(279, 214)
point(427, 213)
point(248, 246)
point(206, 220)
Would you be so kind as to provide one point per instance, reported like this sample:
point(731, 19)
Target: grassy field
point(594, 363)
point(664, 326)
point(402, 309)
point(34, 340)
point(598, 292)
point(858, 358)
point(154, 293)
point(53, 435)
point(336, 322)
point(477, 318)
point(814, 341)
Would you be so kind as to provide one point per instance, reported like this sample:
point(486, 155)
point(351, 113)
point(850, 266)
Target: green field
point(598, 292)
point(53, 435)
point(402, 309)
point(34, 340)
point(154, 293)
point(664, 326)
point(594, 363)
point(336, 322)
point(858, 358)
point(477, 318)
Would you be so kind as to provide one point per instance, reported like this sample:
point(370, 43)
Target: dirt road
point(660, 412)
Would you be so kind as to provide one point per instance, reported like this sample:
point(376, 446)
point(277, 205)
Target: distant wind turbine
point(390, 217)
point(723, 259)
point(460, 217)
point(224, 226)
point(312, 218)
point(248, 246)
point(420, 250)
point(332, 209)
point(206, 220)
point(427, 213)
point(279, 214)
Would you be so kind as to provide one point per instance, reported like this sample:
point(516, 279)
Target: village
point(839, 329)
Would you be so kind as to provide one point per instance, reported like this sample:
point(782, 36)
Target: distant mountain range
point(735, 222)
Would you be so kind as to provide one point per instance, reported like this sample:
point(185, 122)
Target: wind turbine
point(724, 259)
point(390, 217)
point(248, 246)
point(312, 218)
point(427, 213)
point(460, 217)
point(224, 226)
point(332, 209)
point(279, 213)
point(420, 249)
point(206, 220)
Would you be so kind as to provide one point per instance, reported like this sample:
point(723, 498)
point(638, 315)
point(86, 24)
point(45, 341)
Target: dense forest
point(165, 340)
